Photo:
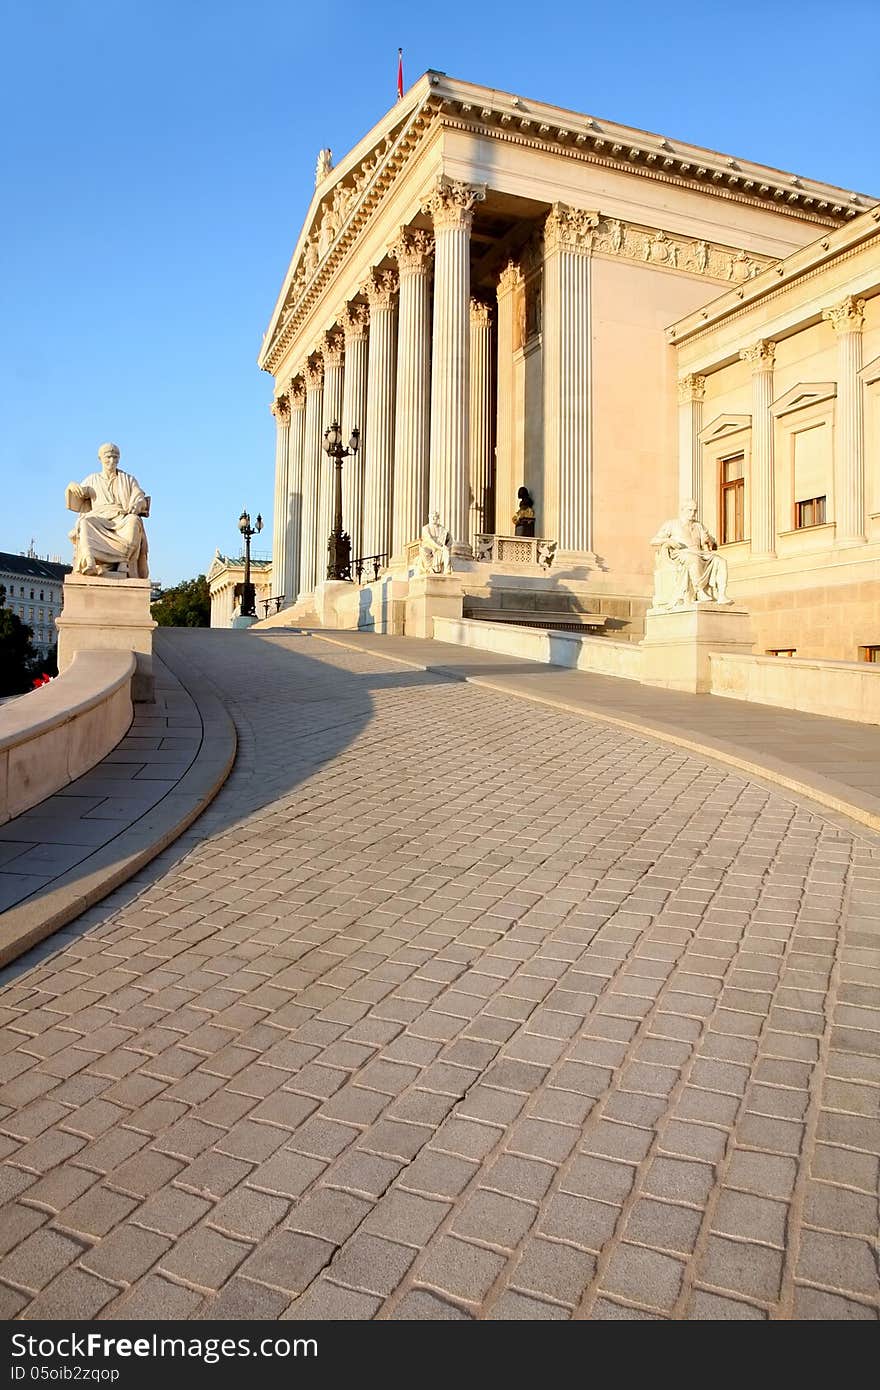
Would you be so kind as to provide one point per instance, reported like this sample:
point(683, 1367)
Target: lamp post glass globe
point(339, 544)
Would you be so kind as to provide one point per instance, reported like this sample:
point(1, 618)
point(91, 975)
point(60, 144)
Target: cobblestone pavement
point(451, 1006)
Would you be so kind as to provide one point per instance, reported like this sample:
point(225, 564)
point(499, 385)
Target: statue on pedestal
point(524, 516)
point(435, 548)
point(688, 569)
point(109, 537)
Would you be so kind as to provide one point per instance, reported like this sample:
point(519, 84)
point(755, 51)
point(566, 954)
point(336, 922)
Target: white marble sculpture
point(435, 548)
point(323, 166)
point(688, 568)
point(109, 537)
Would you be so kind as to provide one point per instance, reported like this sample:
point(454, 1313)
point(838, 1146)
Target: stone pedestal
point(335, 601)
point(431, 596)
point(677, 643)
point(108, 615)
point(244, 620)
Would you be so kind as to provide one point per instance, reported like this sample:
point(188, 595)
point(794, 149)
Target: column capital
point(481, 314)
point(691, 388)
point(280, 408)
point(846, 317)
point(451, 204)
point(296, 393)
point(569, 229)
point(412, 250)
point(510, 279)
point(314, 374)
point(355, 320)
point(333, 348)
point(380, 289)
point(760, 356)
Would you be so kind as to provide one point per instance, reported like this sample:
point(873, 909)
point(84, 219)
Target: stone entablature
point(362, 180)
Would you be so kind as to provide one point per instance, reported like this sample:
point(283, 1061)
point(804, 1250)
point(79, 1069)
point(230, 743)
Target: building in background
point(224, 576)
point(34, 590)
point(501, 293)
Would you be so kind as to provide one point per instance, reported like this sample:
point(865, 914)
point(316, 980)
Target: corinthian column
point(848, 319)
point(451, 205)
point(412, 251)
point(333, 353)
point(281, 410)
point(355, 321)
point(297, 398)
point(691, 394)
point(568, 463)
point(482, 499)
point(761, 356)
point(506, 483)
point(313, 456)
point(381, 292)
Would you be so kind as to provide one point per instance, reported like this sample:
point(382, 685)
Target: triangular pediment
point(804, 394)
point(724, 425)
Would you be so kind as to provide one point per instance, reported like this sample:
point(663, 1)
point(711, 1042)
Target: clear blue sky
point(158, 158)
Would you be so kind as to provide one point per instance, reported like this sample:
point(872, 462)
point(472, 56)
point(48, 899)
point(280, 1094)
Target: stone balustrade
point(844, 689)
point(56, 733)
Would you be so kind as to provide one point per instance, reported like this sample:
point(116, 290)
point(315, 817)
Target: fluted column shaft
point(291, 573)
point(481, 489)
point(355, 320)
point(451, 206)
point(412, 416)
point(691, 393)
point(281, 410)
point(506, 483)
point(761, 357)
point(312, 458)
point(381, 292)
point(847, 319)
point(568, 239)
point(332, 351)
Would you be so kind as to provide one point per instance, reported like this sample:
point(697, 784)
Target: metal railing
point(365, 564)
point(277, 599)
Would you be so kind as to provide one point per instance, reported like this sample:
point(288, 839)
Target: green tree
point(18, 658)
point(186, 605)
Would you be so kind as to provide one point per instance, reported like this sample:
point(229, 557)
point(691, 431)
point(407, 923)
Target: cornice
point(349, 203)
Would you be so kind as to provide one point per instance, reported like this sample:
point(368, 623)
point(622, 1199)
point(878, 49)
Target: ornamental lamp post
point(339, 544)
point(248, 609)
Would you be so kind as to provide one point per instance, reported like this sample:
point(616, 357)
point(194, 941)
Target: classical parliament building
point(499, 293)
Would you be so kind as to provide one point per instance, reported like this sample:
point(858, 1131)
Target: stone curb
point(836, 796)
point(31, 921)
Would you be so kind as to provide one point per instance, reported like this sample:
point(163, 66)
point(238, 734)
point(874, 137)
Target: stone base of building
point(102, 614)
point(677, 643)
point(431, 596)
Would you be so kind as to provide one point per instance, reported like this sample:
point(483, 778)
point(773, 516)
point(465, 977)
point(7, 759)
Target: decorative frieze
point(413, 250)
point(451, 204)
point(609, 236)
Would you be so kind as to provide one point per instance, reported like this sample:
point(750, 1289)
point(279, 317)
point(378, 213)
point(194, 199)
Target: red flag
point(399, 73)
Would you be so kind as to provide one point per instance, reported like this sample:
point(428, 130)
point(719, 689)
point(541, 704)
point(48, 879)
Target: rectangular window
point(869, 653)
point(809, 513)
point(733, 492)
point(781, 651)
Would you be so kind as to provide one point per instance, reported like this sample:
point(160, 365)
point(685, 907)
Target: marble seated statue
point(435, 548)
point(109, 537)
point(688, 568)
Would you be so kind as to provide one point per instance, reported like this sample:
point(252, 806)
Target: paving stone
point(748, 1217)
point(155, 1299)
point(422, 1306)
point(204, 1258)
point(816, 1304)
point(39, 1257)
point(765, 1174)
point(95, 1213)
point(559, 1271)
point(645, 1276)
point(328, 1301)
point(438, 1174)
point(664, 1226)
point(248, 1214)
point(75, 1296)
point(126, 1254)
point(460, 1269)
point(712, 1307)
point(370, 1263)
point(519, 1307)
point(844, 1263)
point(740, 1267)
point(405, 1217)
point(493, 1218)
point(287, 1261)
point(171, 1211)
point(330, 1213)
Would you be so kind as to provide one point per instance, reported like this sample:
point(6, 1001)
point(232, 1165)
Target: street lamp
point(248, 607)
point(339, 544)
